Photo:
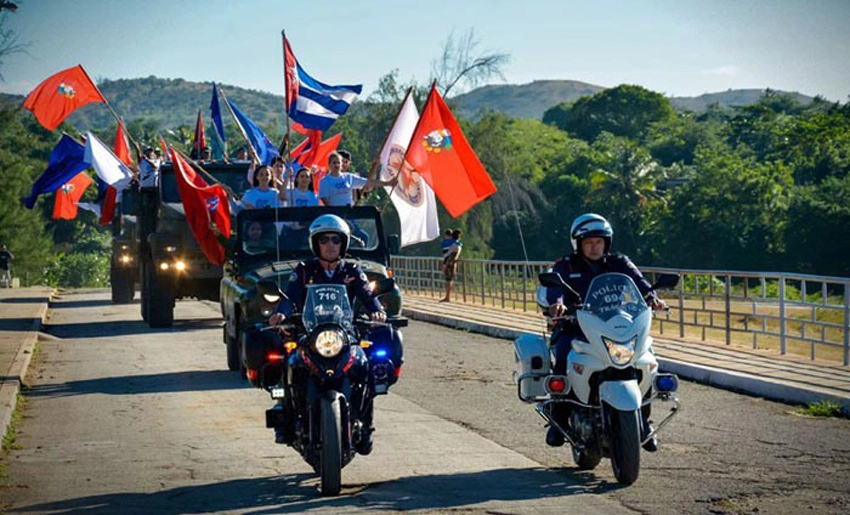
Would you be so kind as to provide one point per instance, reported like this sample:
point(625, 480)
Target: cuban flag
point(313, 104)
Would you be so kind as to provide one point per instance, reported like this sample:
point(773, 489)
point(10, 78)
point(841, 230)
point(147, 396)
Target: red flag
point(300, 129)
point(202, 204)
point(290, 77)
point(107, 210)
point(444, 158)
point(164, 146)
point(59, 95)
point(200, 139)
point(121, 147)
point(68, 195)
point(321, 159)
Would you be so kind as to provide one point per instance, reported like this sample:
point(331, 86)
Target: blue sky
point(675, 47)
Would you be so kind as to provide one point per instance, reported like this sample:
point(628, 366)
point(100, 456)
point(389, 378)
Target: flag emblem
point(67, 90)
point(212, 204)
point(437, 140)
point(67, 187)
point(409, 186)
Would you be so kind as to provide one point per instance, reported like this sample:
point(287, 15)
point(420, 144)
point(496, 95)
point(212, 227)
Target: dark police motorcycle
point(327, 378)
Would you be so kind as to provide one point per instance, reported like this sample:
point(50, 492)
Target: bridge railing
point(793, 313)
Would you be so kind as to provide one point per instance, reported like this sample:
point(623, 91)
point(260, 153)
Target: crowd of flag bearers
point(423, 158)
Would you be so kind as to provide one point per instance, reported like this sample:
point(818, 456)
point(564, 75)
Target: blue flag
point(215, 111)
point(265, 149)
point(310, 102)
point(66, 161)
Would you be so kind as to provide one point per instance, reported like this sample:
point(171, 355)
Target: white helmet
point(333, 224)
point(591, 225)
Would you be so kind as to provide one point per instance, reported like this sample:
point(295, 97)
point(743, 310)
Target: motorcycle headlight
point(328, 343)
point(620, 352)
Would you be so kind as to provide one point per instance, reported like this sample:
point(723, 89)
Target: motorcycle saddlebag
point(533, 364)
point(256, 346)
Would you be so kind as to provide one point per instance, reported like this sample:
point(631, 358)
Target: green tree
point(24, 149)
point(626, 111)
point(818, 231)
point(622, 188)
point(731, 215)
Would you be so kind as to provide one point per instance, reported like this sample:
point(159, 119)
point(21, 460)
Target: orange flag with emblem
point(443, 157)
point(60, 95)
point(68, 196)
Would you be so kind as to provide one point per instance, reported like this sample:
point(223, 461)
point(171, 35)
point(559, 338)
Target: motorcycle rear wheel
point(330, 463)
point(624, 441)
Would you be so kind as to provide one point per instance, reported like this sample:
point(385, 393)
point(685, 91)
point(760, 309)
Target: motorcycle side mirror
point(553, 280)
point(383, 286)
point(541, 296)
point(666, 281)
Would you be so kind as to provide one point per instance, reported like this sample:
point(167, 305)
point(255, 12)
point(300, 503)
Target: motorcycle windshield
point(327, 304)
point(614, 294)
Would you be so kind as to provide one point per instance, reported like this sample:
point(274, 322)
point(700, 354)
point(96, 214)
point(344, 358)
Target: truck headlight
point(620, 352)
point(328, 343)
point(271, 298)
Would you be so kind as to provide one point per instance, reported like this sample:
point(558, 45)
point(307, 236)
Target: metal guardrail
point(791, 313)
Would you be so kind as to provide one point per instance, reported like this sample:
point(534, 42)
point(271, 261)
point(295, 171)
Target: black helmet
point(591, 225)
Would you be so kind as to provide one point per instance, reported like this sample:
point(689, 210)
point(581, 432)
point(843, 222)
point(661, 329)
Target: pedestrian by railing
point(791, 313)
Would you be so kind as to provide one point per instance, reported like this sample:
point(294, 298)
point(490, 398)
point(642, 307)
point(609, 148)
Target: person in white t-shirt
point(262, 195)
point(335, 188)
point(302, 195)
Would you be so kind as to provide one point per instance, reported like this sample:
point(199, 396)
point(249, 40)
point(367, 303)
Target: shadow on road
point(186, 381)
point(298, 493)
point(22, 300)
point(91, 303)
point(124, 327)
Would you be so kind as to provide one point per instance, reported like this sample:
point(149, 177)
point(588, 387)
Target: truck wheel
point(232, 349)
point(161, 298)
point(144, 291)
point(123, 288)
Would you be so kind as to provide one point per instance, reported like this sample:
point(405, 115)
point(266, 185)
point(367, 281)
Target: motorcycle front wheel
point(330, 464)
point(624, 442)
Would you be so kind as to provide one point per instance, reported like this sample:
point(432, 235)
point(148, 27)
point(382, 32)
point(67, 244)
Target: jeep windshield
point(268, 235)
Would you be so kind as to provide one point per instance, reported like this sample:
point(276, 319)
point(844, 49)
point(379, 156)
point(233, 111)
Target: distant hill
point(532, 100)
point(175, 102)
point(172, 102)
point(524, 101)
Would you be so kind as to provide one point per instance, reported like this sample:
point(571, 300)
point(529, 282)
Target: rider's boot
point(652, 444)
point(554, 437)
point(364, 445)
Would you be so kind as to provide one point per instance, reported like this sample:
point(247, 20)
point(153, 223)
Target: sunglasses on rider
point(324, 238)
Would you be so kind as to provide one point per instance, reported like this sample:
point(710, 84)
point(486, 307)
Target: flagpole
point(288, 160)
point(114, 114)
point(241, 129)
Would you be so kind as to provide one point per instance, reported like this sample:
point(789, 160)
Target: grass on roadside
point(822, 409)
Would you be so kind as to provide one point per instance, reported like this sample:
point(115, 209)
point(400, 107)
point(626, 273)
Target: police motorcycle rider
point(591, 236)
point(329, 239)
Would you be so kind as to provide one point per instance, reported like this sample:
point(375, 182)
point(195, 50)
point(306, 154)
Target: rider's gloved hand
point(657, 304)
point(557, 310)
point(378, 316)
point(277, 319)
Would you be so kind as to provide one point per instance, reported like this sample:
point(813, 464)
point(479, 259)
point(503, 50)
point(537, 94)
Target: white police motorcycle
point(610, 377)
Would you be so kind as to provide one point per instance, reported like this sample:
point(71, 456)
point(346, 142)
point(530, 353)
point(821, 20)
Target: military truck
point(157, 244)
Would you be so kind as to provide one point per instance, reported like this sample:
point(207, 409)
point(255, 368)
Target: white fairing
point(615, 309)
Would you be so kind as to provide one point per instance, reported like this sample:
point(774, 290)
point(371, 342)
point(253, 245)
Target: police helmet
point(591, 225)
point(329, 224)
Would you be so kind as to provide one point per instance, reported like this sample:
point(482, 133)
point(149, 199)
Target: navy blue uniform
point(578, 273)
point(311, 272)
